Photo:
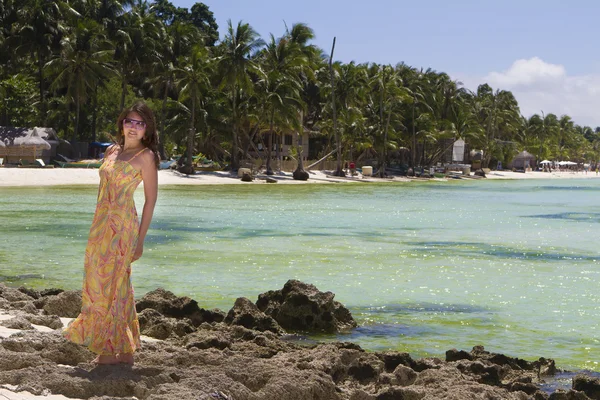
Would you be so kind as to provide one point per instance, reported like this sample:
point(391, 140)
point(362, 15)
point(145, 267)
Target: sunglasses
point(134, 123)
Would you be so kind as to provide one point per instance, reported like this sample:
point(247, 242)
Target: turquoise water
point(424, 267)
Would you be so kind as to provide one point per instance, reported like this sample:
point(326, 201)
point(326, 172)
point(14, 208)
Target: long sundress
point(108, 321)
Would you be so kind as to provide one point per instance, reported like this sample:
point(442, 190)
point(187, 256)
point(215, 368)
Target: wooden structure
point(26, 144)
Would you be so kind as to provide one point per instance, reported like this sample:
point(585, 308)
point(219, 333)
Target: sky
point(547, 52)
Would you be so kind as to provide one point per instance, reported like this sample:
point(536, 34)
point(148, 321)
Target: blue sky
point(545, 51)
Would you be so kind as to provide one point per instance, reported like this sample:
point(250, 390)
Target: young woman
point(108, 323)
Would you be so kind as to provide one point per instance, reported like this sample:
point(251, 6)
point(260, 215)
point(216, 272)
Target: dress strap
point(136, 154)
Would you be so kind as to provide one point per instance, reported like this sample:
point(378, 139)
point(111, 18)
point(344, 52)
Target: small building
point(523, 160)
point(27, 144)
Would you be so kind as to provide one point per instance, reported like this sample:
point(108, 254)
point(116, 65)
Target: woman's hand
point(138, 251)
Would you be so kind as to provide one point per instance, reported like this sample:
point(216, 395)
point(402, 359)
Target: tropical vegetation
point(73, 65)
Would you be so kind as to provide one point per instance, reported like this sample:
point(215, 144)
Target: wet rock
point(568, 395)
point(50, 292)
point(479, 172)
point(247, 314)
point(455, 355)
point(66, 304)
point(392, 359)
point(528, 388)
point(483, 372)
point(247, 177)
point(302, 307)
point(547, 367)
point(588, 385)
point(169, 305)
point(34, 294)
point(479, 353)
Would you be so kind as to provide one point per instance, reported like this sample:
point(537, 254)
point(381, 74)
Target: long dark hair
point(150, 139)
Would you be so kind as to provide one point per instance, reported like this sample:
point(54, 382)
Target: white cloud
point(540, 86)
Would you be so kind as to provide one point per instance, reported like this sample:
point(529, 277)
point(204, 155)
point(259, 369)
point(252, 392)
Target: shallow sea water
point(424, 267)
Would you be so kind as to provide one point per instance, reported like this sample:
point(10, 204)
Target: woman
point(108, 322)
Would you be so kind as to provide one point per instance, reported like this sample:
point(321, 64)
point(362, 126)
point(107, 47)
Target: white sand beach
point(75, 176)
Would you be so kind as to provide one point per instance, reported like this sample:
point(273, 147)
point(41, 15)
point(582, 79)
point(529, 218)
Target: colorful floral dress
point(108, 321)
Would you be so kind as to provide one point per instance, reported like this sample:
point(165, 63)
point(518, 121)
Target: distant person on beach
point(108, 323)
point(352, 168)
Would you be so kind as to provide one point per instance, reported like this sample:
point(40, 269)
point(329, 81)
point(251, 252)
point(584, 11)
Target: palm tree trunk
point(234, 145)
point(278, 152)
point(76, 130)
point(163, 111)
point(339, 171)
point(300, 146)
point(94, 113)
point(42, 119)
point(384, 152)
point(123, 91)
point(414, 134)
point(190, 142)
point(270, 144)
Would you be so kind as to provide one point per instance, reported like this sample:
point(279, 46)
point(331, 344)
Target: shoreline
point(37, 177)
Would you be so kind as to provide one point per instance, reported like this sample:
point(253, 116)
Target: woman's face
point(134, 127)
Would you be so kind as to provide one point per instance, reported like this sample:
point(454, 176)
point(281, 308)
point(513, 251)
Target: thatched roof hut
point(27, 143)
point(523, 160)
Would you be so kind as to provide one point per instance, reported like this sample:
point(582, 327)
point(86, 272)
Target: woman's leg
point(126, 358)
point(106, 359)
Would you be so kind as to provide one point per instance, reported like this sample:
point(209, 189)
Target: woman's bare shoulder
point(147, 156)
point(111, 149)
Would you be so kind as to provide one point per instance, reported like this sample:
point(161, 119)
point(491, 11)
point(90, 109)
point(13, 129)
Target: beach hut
point(50, 136)
point(523, 160)
point(22, 144)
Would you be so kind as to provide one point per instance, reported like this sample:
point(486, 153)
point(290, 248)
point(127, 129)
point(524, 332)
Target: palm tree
point(282, 64)
point(193, 81)
point(84, 61)
point(498, 115)
point(300, 35)
point(387, 95)
point(39, 32)
point(174, 42)
point(236, 65)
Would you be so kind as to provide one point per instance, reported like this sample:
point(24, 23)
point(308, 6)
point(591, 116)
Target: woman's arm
point(150, 179)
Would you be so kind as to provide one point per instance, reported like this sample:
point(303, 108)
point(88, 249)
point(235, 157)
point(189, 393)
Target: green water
point(512, 265)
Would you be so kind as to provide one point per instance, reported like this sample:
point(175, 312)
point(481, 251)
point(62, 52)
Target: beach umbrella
point(545, 162)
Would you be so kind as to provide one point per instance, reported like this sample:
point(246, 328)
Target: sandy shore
point(74, 176)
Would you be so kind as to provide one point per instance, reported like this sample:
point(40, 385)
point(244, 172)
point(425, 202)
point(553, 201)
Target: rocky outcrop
point(247, 314)
point(302, 307)
point(588, 385)
point(229, 360)
point(169, 305)
point(66, 304)
point(156, 325)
